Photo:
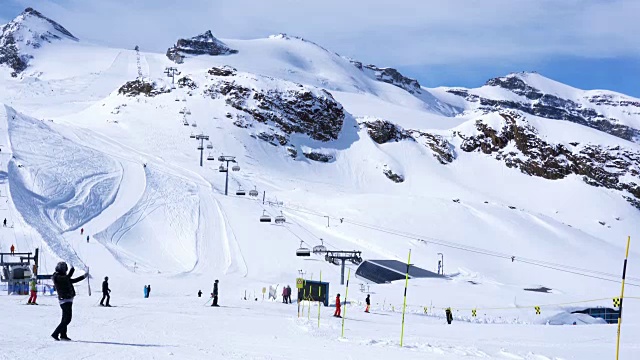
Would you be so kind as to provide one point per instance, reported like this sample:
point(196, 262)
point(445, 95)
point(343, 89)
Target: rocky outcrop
point(316, 156)
point(518, 145)
point(222, 71)
point(442, 149)
point(141, 87)
point(298, 109)
point(553, 107)
point(187, 82)
point(382, 131)
point(29, 29)
point(203, 44)
point(396, 178)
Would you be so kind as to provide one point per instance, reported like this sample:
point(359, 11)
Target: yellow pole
point(309, 309)
point(346, 293)
point(404, 306)
point(624, 273)
point(319, 298)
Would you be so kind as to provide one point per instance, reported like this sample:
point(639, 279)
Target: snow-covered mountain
point(26, 33)
point(522, 183)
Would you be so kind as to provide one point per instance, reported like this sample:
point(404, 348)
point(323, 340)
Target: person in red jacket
point(13, 249)
point(337, 313)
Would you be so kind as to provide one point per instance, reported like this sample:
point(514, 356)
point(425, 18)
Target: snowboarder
point(64, 286)
point(199, 293)
point(33, 292)
point(87, 239)
point(148, 290)
point(105, 292)
point(82, 231)
point(214, 294)
point(337, 313)
point(368, 301)
point(4, 223)
point(449, 315)
point(13, 249)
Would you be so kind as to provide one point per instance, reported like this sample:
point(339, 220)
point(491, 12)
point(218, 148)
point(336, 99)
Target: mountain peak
point(203, 44)
point(29, 30)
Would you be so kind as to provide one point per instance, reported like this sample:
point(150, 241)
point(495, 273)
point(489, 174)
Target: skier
point(13, 249)
point(105, 292)
point(199, 293)
point(337, 313)
point(4, 223)
point(33, 292)
point(82, 231)
point(368, 301)
point(148, 290)
point(289, 293)
point(87, 239)
point(64, 286)
point(284, 294)
point(215, 294)
point(449, 315)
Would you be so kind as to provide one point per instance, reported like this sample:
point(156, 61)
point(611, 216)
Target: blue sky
point(590, 44)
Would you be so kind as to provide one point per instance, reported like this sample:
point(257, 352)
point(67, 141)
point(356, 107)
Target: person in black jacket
point(215, 294)
point(64, 286)
point(105, 292)
point(368, 301)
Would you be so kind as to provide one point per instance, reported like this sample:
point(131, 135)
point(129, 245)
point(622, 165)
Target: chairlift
point(211, 157)
point(253, 192)
point(194, 124)
point(177, 99)
point(280, 219)
point(184, 99)
point(303, 251)
point(357, 260)
point(222, 168)
point(188, 112)
point(209, 146)
point(319, 249)
point(200, 147)
point(181, 111)
point(193, 136)
point(265, 217)
point(185, 123)
point(241, 192)
point(236, 167)
point(221, 158)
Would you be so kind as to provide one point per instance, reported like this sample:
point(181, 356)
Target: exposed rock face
point(315, 156)
point(140, 86)
point(298, 109)
point(382, 131)
point(442, 149)
point(611, 167)
point(553, 107)
point(187, 82)
point(203, 44)
point(222, 71)
point(30, 29)
point(396, 178)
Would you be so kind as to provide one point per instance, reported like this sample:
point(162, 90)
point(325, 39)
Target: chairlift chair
point(236, 167)
point(303, 251)
point(177, 99)
point(222, 168)
point(209, 146)
point(186, 124)
point(193, 136)
point(280, 219)
point(319, 249)
point(194, 124)
point(241, 192)
point(200, 147)
point(211, 157)
point(188, 112)
point(221, 158)
point(265, 217)
point(253, 192)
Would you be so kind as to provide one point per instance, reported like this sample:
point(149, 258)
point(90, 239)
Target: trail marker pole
point(624, 273)
point(404, 305)
point(346, 293)
point(319, 298)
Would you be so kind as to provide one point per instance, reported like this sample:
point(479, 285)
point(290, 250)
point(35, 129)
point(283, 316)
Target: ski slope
point(75, 154)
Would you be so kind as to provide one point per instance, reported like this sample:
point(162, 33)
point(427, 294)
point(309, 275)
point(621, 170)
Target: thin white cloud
point(400, 32)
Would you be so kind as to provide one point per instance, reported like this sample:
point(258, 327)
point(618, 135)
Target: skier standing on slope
point(337, 313)
point(148, 290)
point(289, 293)
point(13, 249)
point(64, 286)
point(105, 292)
point(82, 231)
point(215, 294)
point(199, 293)
point(87, 239)
point(4, 223)
point(33, 292)
point(284, 295)
point(368, 301)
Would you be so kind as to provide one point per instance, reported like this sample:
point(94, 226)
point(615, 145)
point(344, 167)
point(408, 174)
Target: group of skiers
point(286, 294)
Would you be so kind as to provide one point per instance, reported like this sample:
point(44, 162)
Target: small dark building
point(386, 271)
